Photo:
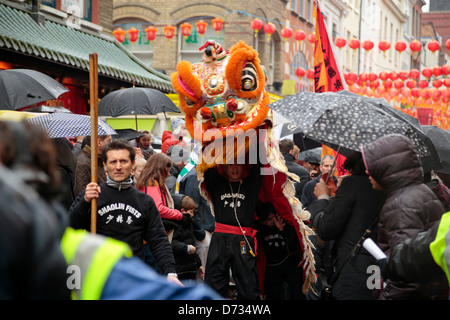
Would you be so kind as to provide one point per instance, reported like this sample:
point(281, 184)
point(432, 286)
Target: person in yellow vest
point(103, 268)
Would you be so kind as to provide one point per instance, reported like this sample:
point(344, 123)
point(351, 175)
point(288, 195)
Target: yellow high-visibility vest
point(440, 247)
point(94, 256)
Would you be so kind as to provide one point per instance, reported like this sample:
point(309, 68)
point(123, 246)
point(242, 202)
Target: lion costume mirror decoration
point(223, 99)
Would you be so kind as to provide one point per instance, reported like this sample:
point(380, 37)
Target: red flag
point(327, 75)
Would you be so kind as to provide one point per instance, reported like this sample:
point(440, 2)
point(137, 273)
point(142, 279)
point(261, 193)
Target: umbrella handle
point(334, 164)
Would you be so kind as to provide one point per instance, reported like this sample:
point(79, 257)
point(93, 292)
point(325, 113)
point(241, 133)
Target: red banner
point(326, 72)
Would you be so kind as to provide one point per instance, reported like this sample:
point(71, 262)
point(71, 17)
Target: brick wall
point(237, 15)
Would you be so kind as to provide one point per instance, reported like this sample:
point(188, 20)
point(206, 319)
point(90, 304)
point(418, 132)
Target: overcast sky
point(425, 7)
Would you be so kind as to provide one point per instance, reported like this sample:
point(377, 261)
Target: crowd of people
point(159, 237)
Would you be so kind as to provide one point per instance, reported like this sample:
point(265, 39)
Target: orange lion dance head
point(224, 92)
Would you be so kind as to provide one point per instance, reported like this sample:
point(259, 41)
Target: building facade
point(57, 38)
point(280, 57)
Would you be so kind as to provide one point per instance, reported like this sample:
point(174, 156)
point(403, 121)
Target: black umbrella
point(441, 140)
point(349, 122)
point(23, 87)
point(385, 106)
point(135, 101)
point(127, 134)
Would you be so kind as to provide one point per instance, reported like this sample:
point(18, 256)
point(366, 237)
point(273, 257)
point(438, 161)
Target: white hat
point(176, 125)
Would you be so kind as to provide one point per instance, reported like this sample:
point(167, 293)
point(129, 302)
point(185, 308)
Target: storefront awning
point(61, 44)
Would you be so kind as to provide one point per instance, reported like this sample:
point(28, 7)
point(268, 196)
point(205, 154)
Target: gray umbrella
point(59, 125)
point(349, 121)
point(441, 140)
point(135, 101)
point(23, 87)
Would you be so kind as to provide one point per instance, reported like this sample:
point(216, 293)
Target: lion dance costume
point(226, 111)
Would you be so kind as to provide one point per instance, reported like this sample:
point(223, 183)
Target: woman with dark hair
point(153, 182)
point(345, 219)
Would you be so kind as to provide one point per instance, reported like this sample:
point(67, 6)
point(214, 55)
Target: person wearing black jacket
point(287, 148)
point(233, 190)
point(354, 209)
point(394, 166)
point(123, 212)
point(283, 278)
point(188, 263)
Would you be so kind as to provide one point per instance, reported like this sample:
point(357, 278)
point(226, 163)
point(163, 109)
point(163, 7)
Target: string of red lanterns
point(404, 85)
point(286, 32)
point(169, 31)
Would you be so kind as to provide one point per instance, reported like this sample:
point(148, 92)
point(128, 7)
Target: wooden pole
point(93, 86)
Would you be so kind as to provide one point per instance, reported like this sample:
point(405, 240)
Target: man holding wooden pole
point(123, 212)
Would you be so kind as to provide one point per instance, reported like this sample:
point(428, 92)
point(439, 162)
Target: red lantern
point(367, 45)
point(169, 32)
point(388, 84)
point(437, 83)
point(355, 88)
point(437, 71)
point(406, 92)
point(414, 74)
point(256, 25)
point(447, 82)
point(340, 42)
point(446, 69)
point(286, 33)
point(423, 84)
point(427, 72)
point(374, 84)
point(415, 92)
point(372, 76)
point(403, 75)
point(133, 34)
point(433, 46)
point(383, 46)
point(312, 37)
point(393, 75)
point(217, 24)
point(398, 83)
point(201, 27)
point(300, 72)
point(352, 76)
point(354, 44)
point(310, 74)
point(400, 46)
point(269, 29)
point(363, 77)
point(186, 29)
point(151, 33)
point(393, 92)
point(447, 44)
point(383, 75)
point(411, 84)
point(299, 35)
point(415, 47)
point(119, 34)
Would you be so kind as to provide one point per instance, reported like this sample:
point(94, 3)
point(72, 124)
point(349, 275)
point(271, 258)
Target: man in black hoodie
point(123, 212)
